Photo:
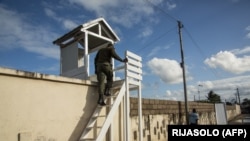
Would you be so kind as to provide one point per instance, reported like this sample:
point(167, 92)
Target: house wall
point(39, 107)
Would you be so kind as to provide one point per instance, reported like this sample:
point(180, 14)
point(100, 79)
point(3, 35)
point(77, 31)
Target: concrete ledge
point(40, 76)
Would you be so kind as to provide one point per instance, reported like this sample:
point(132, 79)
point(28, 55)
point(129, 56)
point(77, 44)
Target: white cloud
point(174, 95)
point(16, 31)
point(248, 30)
point(168, 93)
point(248, 35)
point(241, 51)
point(126, 13)
point(230, 62)
point(146, 32)
point(51, 13)
point(154, 51)
point(67, 24)
point(225, 88)
point(158, 49)
point(95, 5)
point(169, 71)
point(171, 5)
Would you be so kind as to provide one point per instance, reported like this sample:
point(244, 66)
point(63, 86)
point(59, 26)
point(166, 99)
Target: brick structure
point(158, 114)
point(156, 106)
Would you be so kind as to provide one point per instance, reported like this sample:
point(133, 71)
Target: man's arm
point(197, 118)
point(117, 57)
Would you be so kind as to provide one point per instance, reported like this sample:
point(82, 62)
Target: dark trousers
point(104, 72)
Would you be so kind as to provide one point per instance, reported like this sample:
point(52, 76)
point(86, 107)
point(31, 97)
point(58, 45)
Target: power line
point(162, 35)
point(156, 39)
point(163, 11)
point(180, 26)
point(196, 45)
point(200, 50)
point(185, 29)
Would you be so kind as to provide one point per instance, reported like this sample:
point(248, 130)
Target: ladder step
point(97, 116)
point(112, 96)
point(88, 139)
point(89, 128)
point(100, 126)
point(105, 106)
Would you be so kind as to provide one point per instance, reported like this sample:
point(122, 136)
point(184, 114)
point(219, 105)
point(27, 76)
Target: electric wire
point(203, 55)
point(163, 11)
point(162, 35)
point(154, 40)
point(176, 20)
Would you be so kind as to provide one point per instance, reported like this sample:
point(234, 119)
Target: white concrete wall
point(38, 107)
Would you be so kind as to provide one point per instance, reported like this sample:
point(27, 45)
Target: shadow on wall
point(88, 109)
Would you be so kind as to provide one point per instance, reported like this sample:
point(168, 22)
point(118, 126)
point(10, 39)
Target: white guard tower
point(76, 45)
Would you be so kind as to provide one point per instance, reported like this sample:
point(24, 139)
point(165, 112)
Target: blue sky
point(215, 37)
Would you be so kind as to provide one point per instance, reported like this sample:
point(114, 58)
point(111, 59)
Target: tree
point(213, 97)
point(245, 106)
point(229, 103)
point(246, 101)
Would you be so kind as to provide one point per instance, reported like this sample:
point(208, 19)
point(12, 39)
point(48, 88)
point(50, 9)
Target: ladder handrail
point(133, 74)
point(111, 114)
point(133, 78)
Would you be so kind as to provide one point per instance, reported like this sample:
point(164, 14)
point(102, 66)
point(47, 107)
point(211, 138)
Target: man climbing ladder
point(103, 69)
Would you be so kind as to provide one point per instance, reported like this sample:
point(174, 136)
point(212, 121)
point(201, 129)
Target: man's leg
point(109, 74)
point(101, 85)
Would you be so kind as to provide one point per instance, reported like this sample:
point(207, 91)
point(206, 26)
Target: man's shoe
point(101, 100)
point(101, 103)
point(107, 92)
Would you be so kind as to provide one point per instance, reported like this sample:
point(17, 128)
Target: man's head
point(194, 110)
point(109, 45)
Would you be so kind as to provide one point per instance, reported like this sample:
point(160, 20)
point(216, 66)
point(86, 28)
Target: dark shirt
point(105, 55)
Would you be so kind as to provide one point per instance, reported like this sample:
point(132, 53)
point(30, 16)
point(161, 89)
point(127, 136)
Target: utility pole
point(238, 95)
point(199, 91)
point(180, 25)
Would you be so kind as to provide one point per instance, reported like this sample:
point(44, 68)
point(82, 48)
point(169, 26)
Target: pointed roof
point(98, 30)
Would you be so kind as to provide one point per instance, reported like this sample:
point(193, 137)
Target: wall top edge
point(48, 77)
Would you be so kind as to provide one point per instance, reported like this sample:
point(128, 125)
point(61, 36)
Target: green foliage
point(213, 97)
point(246, 101)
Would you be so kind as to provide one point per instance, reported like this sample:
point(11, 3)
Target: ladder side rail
point(111, 113)
point(126, 105)
point(140, 113)
point(134, 77)
point(86, 54)
point(90, 123)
